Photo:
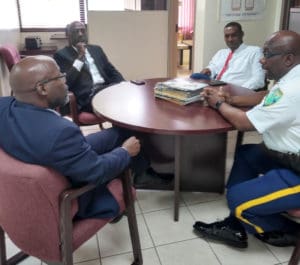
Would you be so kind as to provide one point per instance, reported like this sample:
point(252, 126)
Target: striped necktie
point(225, 65)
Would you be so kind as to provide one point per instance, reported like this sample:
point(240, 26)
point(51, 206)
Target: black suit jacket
point(81, 83)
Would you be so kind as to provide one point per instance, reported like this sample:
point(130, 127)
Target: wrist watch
point(218, 104)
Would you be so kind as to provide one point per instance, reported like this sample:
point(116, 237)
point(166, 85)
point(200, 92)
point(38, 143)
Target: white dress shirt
point(244, 68)
point(78, 64)
point(277, 117)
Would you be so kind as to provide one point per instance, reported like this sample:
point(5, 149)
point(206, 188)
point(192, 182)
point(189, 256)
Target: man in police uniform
point(265, 178)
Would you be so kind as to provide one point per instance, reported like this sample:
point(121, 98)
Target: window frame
point(82, 18)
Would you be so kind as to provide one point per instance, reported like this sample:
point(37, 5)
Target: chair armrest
point(66, 222)
point(68, 195)
point(73, 193)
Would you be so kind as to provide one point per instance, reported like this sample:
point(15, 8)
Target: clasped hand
point(212, 95)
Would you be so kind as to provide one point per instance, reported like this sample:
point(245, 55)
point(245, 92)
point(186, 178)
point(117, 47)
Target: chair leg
point(294, 260)
point(2, 248)
point(66, 228)
point(14, 259)
point(132, 222)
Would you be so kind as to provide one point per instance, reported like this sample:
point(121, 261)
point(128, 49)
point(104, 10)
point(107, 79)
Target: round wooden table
point(189, 141)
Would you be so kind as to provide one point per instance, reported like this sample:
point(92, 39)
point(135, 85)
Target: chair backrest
point(29, 205)
point(80, 118)
point(10, 54)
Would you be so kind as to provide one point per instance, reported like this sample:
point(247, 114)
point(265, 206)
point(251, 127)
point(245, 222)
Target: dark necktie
point(86, 62)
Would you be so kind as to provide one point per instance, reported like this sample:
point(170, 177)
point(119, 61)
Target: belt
point(288, 160)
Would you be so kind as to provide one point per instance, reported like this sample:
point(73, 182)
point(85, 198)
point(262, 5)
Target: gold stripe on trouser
point(261, 200)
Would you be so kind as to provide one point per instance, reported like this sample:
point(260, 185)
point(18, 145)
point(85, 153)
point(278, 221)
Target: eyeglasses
point(51, 79)
point(269, 55)
point(45, 81)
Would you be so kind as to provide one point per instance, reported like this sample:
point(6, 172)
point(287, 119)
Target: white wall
point(209, 29)
point(9, 25)
point(208, 34)
point(9, 28)
point(134, 41)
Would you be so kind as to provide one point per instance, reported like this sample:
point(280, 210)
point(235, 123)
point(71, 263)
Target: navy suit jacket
point(41, 136)
point(81, 83)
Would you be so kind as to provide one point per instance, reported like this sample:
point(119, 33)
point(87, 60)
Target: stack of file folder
point(179, 90)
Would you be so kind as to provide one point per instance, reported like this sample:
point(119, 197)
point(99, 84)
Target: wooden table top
point(135, 107)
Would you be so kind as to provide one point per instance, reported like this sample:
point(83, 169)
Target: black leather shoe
point(166, 176)
point(277, 238)
point(223, 232)
point(152, 180)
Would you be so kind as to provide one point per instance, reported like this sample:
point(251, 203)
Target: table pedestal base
point(197, 161)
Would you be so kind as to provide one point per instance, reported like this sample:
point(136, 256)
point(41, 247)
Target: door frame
point(172, 38)
point(285, 15)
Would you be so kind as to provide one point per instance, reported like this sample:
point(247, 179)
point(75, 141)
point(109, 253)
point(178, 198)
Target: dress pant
point(108, 139)
point(260, 188)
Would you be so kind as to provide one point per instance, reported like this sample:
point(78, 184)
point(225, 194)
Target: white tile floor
point(165, 242)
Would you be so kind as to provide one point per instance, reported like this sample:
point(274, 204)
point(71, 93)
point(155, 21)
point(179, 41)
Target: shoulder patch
point(273, 97)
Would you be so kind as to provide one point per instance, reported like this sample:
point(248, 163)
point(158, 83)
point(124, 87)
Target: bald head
point(285, 41)
point(37, 80)
point(25, 74)
point(281, 53)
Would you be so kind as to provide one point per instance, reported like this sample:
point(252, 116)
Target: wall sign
point(231, 10)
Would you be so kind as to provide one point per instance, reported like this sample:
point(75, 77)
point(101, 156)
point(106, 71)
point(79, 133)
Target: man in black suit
point(87, 67)
point(87, 72)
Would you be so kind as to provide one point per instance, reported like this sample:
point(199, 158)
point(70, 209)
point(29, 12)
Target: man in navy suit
point(87, 67)
point(33, 132)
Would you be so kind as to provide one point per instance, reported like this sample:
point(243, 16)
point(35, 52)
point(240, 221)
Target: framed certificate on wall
point(236, 5)
point(241, 9)
point(249, 4)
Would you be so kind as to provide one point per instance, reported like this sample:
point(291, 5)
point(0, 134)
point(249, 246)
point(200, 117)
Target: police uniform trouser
point(260, 188)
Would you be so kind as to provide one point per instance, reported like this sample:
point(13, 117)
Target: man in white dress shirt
point(239, 63)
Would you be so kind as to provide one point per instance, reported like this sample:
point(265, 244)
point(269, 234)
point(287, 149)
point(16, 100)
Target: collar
point(54, 111)
point(30, 106)
point(243, 46)
point(293, 73)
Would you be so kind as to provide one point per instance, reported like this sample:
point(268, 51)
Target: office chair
point(82, 118)
point(37, 209)
point(10, 54)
